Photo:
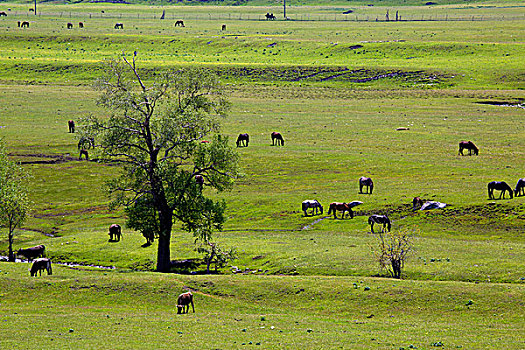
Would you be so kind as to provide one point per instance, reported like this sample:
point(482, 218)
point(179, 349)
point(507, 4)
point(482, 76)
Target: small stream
point(4, 258)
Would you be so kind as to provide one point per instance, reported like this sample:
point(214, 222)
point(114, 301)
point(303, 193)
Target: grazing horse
point(223, 27)
point(71, 126)
point(277, 139)
point(520, 188)
point(313, 204)
point(40, 265)
point(33, 252)
point(335, 206)
point(83, 152)
point(3, 14)
point(500, 186)
point(379, 219)
point(417, 203)
point(116, 231)
point(183, 303)
point(468, 145)
point(243, 140)
point(366, 181)
point(70, 26)
point(179, 23)
point(24, 24)
point(269, 16)
point(119, 26)
point(80, 24)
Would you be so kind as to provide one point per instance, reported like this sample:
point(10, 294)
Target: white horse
point(313, 204)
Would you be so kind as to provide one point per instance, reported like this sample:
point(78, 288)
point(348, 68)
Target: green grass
point(75, 308)
point(300, 272)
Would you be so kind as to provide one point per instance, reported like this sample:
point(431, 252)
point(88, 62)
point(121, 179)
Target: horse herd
point(244, 139)
point(36, 254)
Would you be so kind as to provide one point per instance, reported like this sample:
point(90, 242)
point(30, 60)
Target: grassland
point(338, 106)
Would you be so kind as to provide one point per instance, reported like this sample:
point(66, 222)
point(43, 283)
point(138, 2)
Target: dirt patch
point(44, 158)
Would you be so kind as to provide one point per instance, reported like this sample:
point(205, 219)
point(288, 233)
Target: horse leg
point(372, 227)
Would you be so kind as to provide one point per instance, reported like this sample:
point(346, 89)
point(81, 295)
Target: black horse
point(179, 23)
point(366, 181)
point(119, 26)
point(379, 219)
point(500, 186)
point(71, 126)
point(243, 140)
point(277, 139)
point(269, 16)
point(468, 145)
point(520, 188)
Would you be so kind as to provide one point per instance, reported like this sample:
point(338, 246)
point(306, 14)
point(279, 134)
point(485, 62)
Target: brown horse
point(179, 23)
point(80, 24)
point(119, 26)
point(70, 25)
point(500, 186)
point(243, 140)
point(40, 265)
point(24, 24)
point(468, 145)
point(520, 188)
point(115, 231)
point(183, 303)
point(33, 252)
point(336, 206)
point(223, 27)
point(277, 139)
point(417, 203)
point(366, 181)
point(71, 126)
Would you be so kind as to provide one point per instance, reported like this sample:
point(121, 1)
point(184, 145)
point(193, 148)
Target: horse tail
point(304, 206)
point(389, 225)
point(48, 267)
point(330, 209)
point(320, 206)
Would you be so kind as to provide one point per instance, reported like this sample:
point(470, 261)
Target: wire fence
point(262, 17)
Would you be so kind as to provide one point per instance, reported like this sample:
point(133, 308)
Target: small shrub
point(392, 251)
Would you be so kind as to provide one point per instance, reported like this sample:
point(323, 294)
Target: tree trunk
point(163, 252)
point(11, 253)
point(396, 268)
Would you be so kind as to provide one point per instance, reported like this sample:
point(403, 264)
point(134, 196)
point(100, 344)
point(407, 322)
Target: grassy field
point(337, 91)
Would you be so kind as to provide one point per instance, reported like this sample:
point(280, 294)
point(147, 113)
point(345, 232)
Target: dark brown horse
point(71, 126)
point(70, 25)
point(80, 24)
point(243, 140)
point(33, 252)
point(336, 206)
point(520, 188)
point(379, 219)
point(179, 23)
point(119, 26)
point(199, 180)
point(24, 24)
point(311, 204)
point(366, 181)
point(417, 203)
point(115, 232)
point(468, 145)
point(500, 186)
point(40, 265)
point(277, 139)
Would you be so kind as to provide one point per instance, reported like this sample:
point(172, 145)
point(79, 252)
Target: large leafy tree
point(14, 202)
point(165, 133)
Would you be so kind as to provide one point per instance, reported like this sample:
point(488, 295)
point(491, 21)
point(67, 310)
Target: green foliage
point(156, 131)
point(14, 201)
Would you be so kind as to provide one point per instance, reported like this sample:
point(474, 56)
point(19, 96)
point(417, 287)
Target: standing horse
point(179, 23)
point(71, 126)
point(366, 181)
point(40, 265)
point(379, 219)
point(500, 186)
point(520, 188)
point(119, 26)
point(335, 206)
point(313, 204)
point(269, 16)
point(277, 139)
point(243, 140)
point(468, 145)
point(115, 231)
